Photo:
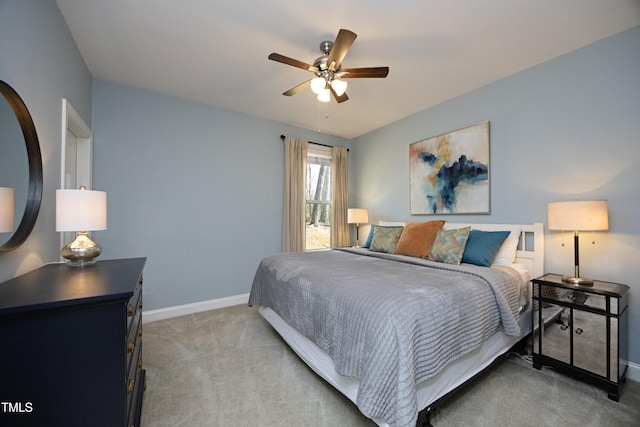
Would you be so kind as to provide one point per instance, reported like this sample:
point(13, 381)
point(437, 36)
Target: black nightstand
point(584, 331)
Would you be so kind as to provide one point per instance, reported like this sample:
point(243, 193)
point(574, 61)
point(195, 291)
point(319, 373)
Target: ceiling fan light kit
point(324, 95)
point(340, 86)
point(327, 68)
point(318, 84)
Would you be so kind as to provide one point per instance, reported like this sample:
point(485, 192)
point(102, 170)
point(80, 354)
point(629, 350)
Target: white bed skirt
point(455, 374)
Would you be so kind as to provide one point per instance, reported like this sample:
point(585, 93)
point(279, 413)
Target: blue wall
point(566, 129)
point(40, 60)
point(196, 189)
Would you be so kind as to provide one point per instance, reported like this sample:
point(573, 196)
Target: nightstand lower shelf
point(612, 388)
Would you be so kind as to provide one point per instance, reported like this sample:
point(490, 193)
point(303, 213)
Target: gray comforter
point(390, 321)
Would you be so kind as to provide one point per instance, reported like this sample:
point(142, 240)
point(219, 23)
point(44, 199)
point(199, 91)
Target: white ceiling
point(215, 52)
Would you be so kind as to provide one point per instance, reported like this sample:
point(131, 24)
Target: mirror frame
point(34, 197)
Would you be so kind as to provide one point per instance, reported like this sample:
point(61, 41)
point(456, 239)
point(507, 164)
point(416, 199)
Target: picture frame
point(449, 173)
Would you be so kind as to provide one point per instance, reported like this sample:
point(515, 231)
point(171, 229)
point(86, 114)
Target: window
point(318, 198)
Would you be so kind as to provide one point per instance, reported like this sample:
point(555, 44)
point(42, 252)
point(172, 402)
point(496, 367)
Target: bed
point(397, 333)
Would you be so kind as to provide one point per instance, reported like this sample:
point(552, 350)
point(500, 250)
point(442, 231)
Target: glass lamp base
point(82, 251)
point(580, 281)
point(80, 263)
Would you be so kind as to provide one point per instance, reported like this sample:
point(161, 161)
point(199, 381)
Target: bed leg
point(424, 418)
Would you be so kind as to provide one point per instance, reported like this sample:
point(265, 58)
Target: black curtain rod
point(311, 142)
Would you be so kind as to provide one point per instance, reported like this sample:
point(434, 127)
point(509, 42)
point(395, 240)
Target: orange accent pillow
point(418, 237)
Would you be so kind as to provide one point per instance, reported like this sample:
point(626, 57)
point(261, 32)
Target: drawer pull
point(140, 280)
point(131, 386)
point(140, 304)
point(130, 346)
point(140, 332)
point(130, 310)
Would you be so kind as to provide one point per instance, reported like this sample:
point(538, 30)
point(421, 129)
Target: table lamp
point(81, 211)
point(357, 216)
point(576, 216)
point(6, 209)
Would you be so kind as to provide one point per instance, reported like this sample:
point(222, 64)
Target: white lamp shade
point(6, 209)
point(324, 95)
point(357, 216)
point(318, 84)
point(81, 210)
point(578, 215)
point(339, 86)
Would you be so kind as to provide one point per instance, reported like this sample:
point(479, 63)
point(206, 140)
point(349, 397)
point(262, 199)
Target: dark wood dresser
point(71, 346)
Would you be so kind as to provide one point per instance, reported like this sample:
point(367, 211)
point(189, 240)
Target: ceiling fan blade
point(296, 89)
point(340, 98)
point(293, 62)
point(355, 73)
point(340, 48)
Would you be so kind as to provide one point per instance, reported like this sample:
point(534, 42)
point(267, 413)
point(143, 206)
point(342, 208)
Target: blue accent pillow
point(483, 246)
point(367, 244)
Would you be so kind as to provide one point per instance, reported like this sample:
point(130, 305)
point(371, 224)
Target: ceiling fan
point(327, 68)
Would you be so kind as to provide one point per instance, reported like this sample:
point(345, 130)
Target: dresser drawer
point(133, 342)
point(134, 305)
point(134, 369)
point(135, 409)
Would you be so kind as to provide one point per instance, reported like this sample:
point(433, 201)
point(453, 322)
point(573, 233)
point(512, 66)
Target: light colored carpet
point(228, 367)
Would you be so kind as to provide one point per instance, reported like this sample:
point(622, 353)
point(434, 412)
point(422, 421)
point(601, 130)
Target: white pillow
point(507, 253)
point(391, 223)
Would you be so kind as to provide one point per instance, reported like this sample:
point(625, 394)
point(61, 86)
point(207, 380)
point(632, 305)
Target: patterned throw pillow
point(385, 239)
point(449, 245)
point(372, 230)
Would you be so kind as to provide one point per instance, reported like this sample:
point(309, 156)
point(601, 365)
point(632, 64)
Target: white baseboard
point(633, 371)
point(196, 307)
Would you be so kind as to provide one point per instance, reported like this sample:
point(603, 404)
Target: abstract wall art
point(449, 174)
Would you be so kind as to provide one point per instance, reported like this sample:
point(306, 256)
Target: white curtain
point(340, 236)
point(293, 223)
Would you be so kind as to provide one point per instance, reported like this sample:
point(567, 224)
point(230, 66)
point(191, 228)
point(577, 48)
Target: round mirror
point(20, 166)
